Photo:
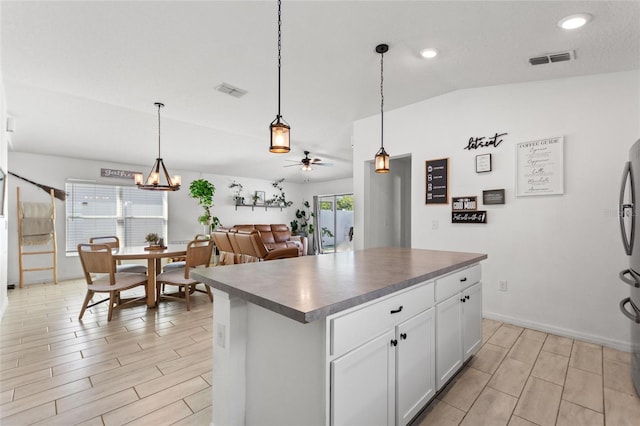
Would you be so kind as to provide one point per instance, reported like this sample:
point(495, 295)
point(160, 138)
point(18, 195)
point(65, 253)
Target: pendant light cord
point(159, 106)
point(279, 50)
point(382, 100)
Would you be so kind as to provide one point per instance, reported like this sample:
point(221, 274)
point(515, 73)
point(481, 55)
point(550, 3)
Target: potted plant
point(302, 225)
point(203, 191)
point(237, 193)
point(152, 239)
point(279, 199)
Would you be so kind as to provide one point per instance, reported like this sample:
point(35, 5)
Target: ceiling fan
point(307, 162)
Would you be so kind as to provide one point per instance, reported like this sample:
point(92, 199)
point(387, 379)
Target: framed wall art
point(540, 167)
point(437, 181)
point(483, 163)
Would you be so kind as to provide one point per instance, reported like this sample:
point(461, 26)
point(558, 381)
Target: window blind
point(98, 210)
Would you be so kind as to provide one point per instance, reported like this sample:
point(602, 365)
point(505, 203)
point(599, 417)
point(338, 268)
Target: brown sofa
point(276, 236)
point(238, 245)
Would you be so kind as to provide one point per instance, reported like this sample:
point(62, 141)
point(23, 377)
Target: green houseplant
point(152, 239)
point(237, 193)
point(302, 225)
point(203, 191)
point(279, 199)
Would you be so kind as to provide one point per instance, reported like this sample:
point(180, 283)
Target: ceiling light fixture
point(280, 130)
point(429, 53)
point(576, 21)
point(306, 167)
point(382, 158)
point(153, 180)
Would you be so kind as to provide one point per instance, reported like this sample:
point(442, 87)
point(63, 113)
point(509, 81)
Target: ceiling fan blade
point(294, 161)
point(291, 165)
point(323, 164)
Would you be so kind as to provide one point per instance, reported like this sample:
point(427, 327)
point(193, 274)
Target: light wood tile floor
point(522, 377)
point(153, 367)
point(144, 367)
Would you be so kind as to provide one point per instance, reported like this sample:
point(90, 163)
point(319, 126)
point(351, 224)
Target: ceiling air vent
point(236, 92)
point(553, 57)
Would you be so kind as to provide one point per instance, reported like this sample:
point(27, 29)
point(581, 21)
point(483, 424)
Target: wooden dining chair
point(180, 263)
point(198, 254)
point(98, 259)
point(114, 243)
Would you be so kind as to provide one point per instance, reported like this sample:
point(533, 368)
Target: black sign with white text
point(469, 217)
point(437, 176)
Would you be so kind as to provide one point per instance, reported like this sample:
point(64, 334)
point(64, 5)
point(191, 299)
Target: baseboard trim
point(564, 332)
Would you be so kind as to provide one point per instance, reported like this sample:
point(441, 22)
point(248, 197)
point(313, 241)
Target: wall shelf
point(266, 206)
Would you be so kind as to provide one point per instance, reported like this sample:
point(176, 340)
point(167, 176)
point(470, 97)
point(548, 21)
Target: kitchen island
point(347, 338)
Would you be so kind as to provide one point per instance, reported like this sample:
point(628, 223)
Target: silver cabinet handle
point(633, 281)
point(635, 316)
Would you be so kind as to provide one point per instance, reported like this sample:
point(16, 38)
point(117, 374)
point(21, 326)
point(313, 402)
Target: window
point(96, 210)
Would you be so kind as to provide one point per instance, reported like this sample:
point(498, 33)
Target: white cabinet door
point(448, 338)
point(472, 320)
point(363, 385)
point(415, 381)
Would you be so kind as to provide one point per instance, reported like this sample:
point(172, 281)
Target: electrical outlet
point(434, 224)
point(502, 286)
point(221, 335)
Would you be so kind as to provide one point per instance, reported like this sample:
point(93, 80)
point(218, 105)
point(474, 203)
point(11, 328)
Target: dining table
point(154, 258)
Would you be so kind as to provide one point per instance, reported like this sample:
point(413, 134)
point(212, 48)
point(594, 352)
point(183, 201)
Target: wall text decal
point(483, 142)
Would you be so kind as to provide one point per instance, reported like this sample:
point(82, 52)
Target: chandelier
point(158, 178)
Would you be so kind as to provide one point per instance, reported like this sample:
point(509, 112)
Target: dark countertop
point(309, 288)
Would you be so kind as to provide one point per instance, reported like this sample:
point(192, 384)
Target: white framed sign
point(483, 163)
point(540, 167)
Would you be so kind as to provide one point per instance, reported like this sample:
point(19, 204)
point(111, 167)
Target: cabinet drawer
point(359, 326)
point(457, 281)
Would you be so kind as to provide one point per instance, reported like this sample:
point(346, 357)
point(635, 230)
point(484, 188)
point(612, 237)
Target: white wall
point(559, 254)
point(183, 210)
point(3, 218)
point(338, 186)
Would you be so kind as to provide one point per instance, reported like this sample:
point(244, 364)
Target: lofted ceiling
point(81, 77)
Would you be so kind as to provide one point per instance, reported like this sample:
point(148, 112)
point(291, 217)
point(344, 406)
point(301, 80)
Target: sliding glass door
point(334, 218)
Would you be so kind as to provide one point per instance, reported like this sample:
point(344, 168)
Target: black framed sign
point(437, 181)
point(464, 204)
point(493, 196)
point(483, 163)
point(479, 216)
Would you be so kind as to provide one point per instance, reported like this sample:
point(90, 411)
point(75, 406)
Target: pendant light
point(280, 130)
point(382, 158)
point(158, 172)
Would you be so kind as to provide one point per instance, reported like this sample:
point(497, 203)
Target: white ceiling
point(81, 77)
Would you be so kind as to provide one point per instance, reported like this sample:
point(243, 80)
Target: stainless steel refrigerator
point(629, 211)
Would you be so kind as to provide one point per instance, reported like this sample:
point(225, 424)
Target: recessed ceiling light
point(573, 22)
point(429, 53)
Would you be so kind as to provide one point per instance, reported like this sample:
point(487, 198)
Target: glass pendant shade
point(382, 161)
point(382, 158)
point(280, 137)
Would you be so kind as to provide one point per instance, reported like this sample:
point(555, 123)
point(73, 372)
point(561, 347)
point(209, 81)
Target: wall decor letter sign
point(464, 204)
point(483, 142)
point(540, 167)
point(469, 217)
point(493, 196)
point(437, 181)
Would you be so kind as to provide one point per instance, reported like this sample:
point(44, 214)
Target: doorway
point(334, 221)
point(387, 221)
